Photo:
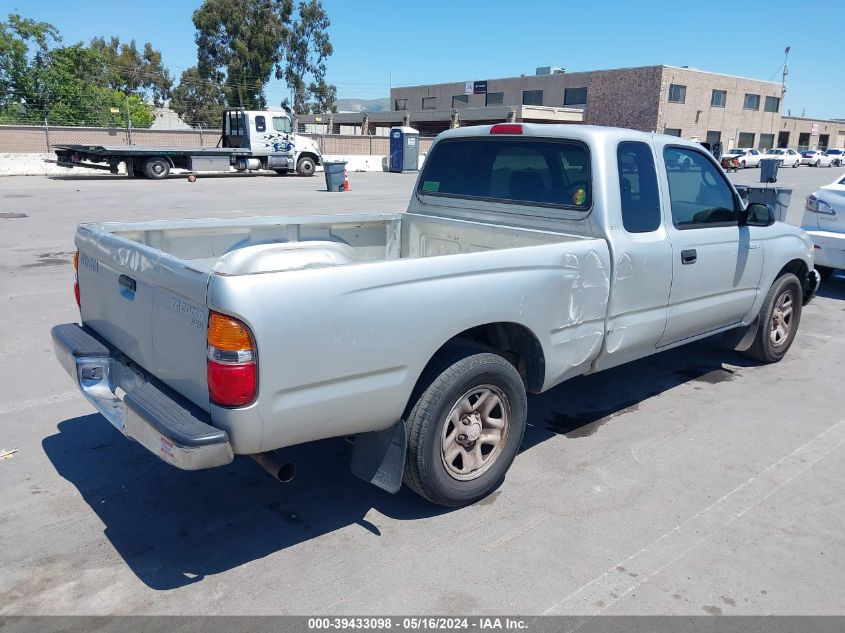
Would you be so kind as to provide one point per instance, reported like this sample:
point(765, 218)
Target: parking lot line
point(13, 407)
point(617, 582)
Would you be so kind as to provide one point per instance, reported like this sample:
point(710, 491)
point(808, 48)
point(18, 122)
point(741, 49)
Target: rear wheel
point(795, 164)
point(778, 320)
point(464, 428)
point(156, 168)
point(742, 164)
point(818, 162)
point(306, 166)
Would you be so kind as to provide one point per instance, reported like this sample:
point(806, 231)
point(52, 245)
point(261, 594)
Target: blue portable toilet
point(404, 149)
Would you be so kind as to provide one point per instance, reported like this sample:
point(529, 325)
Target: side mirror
point(758, 214)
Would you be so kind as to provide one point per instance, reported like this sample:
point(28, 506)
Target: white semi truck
point(250, 140)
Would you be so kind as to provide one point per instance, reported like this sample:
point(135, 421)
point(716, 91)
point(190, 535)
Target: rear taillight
point(76, 279)
point(232, 372)
point(815, 205)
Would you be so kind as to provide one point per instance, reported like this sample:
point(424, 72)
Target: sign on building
point(814, 131)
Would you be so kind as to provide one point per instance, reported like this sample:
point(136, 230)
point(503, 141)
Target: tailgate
point(149, 305)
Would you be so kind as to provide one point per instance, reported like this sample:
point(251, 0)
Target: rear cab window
point(515, 170)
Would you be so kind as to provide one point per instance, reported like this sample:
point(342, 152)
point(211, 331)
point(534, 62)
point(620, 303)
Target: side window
point(638, 187)
point(281, 124)
point(698, 192)
point(260, 124)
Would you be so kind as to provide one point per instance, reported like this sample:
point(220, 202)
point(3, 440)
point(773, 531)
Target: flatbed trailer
point(249, 141)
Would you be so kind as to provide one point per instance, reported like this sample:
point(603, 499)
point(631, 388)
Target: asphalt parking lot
point(693, 482)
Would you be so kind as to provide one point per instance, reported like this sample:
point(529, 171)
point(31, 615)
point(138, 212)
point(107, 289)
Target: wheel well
point(313, 157)
point(512, 341)
point(167, 159)
point(798, 267)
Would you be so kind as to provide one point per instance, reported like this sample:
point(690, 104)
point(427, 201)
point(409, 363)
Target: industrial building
point(683, 101)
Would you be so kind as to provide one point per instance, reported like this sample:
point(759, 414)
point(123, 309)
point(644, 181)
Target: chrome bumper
point(162, 421)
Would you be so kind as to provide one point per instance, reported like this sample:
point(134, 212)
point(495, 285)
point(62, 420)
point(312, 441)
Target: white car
point(787, 157)
point(748, 157)
point(824, 220)
point(837, 156)
point(815, 158)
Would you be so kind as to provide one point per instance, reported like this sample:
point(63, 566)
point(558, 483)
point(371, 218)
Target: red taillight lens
point(231, 385)
point(232, 374)
point(76, 294)
point(506, 128)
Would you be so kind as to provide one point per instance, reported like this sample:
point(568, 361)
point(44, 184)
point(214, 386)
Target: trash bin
point(776, 198)
point(769, 169)
point(404, 149)
point(335, 175)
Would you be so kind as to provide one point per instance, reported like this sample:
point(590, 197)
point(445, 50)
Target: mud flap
point(379, 457)
point(741, 338)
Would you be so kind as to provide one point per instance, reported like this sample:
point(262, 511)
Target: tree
point(244, 38)
point(24, 45)
point(132, 71)
point(305, 54)
point(199, 100)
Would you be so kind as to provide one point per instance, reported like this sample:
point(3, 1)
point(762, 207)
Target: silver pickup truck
point(529, 254)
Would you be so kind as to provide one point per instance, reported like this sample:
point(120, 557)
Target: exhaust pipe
point(275, 466)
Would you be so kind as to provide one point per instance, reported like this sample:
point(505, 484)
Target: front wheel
point(795, 164)
point(306, 166)
point(464, 428)
point(818, 162)
point(778, 320)
point(742, 164)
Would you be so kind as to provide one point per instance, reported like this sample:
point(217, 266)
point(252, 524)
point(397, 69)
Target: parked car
point(815, 158)
point(837, 156)
point(746, 156)
point(824, 221)
point(529, 254)
point(787, 157)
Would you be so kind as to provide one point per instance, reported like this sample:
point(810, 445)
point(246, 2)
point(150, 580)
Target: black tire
point(156, 168)
point(742, 164)
point(824, 272)
point(795, 164)
point(306, 166)
point(282, 172)
point(763, 348)
point(449, 380)
point(818, 162)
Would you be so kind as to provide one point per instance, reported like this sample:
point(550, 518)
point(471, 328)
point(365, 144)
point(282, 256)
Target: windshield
point(834, 152)
point(775, 151)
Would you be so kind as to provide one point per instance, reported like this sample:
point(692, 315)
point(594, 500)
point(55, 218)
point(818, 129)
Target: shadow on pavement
point(833, 288)
point(174, 527)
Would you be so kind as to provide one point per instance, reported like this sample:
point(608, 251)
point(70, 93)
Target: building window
point(494, 98)
point(713, 137)
point(400, 104)
point(575, 96)
point(824, 141)
point(677, 93)
point(532, 97)
point(672, 131)
point(772, 104)
point(803, 140)
point(638, 187)
point(752, 102)
point(767, 141)
point(718, 98)
point(429, 103)
point(746, 139)
point(460, 101)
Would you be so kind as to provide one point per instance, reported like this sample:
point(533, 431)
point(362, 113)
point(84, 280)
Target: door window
point(699, 194)
point(638, 187)
point(260, 124)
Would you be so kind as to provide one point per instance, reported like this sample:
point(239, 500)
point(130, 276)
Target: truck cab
point(269, 137)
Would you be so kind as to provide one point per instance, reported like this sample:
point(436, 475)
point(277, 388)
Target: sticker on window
point(431, 185)
point(579, 196)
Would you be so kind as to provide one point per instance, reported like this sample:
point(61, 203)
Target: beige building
point(687, 102)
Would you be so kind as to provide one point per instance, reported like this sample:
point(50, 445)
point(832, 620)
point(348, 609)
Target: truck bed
point(143, 150)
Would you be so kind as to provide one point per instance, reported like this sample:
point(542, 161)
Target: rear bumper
point(164, 422)
point(829, 248)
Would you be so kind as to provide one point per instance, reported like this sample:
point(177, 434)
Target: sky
point(378, 43)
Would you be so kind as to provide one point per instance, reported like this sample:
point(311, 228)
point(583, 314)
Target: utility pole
point(785, 73)
point(128, 120)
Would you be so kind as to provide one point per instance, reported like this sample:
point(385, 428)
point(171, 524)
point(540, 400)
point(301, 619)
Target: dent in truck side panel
point(340, 349)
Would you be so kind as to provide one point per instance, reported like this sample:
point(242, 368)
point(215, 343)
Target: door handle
point(127, 282)
point(689, 256)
